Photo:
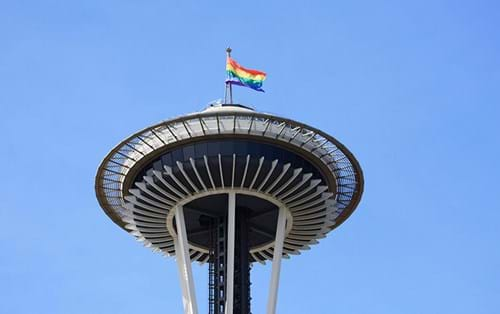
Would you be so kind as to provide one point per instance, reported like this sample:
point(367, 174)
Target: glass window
point(177, 155)
point(213, 148)
point(167, 159)
point(200, 150)
point(188, 152)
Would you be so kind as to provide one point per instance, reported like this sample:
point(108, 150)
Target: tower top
point(227, 107)
point(288, 152)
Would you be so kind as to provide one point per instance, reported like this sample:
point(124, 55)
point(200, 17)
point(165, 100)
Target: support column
point(278, 252)
point(184, 263)
point(231, 230)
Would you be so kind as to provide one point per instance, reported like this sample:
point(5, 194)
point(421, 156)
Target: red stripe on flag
point(235, 65)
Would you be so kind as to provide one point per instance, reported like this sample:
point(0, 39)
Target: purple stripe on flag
point(236, 81)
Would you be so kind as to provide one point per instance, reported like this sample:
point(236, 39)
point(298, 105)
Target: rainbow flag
point(239, 75)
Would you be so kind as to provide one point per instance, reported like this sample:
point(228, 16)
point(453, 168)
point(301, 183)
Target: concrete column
point(184, 263)
point(231, 235)
point(278, 252)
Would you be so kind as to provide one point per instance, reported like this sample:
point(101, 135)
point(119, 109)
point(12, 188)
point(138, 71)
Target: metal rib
point(188, 179)
point(162, 235)
point(234, 169)
point(193, 165)
point(305, 178)
point(157, 212)
point(285, 185)
point(221, 172)
point(142, 186)
point(318, 191)
point(202, 128)
point(208, 171)
point(158, 137)
point(186, 128)
point(261, 160)
point(160, 177)
point(278, 179)
point(170, 173)
point(282, 129)
point(146, 224)
point(296, 241)
point(196, 256)
point(323, 206)
point(311, 216)
point(245, 171)
point(147, 206)
point(312, 185)
point(266, 254)
point(269, 173)
point(137, 219)
point(171, 132)
point(203, 261)
point(148, 229)
point(295, 135)
point(323, 197)
point(257, 259)
point(151, 182)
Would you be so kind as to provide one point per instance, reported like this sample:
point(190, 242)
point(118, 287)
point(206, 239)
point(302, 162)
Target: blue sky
point(412, 88)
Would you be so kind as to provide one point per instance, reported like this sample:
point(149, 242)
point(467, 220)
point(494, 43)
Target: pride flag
point(239, 75)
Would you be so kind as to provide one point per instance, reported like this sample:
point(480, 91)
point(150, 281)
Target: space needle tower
point(229, 186)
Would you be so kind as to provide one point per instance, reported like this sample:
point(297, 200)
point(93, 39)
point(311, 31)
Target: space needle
point(229, 186)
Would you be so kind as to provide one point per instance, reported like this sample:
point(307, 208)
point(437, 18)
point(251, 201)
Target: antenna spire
point(229, 88)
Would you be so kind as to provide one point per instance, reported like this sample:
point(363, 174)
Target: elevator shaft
point(218, 265)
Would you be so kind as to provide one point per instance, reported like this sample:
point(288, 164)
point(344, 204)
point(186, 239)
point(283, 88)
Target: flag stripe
point(232, 64)
point(239, 75)
point(241, 82)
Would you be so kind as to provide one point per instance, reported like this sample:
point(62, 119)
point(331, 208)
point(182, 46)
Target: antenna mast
point(228, 96)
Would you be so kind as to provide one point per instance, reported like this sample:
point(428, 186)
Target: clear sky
point(412, 88)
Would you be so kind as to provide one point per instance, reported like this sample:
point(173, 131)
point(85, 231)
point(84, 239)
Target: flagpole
point(229, 87)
